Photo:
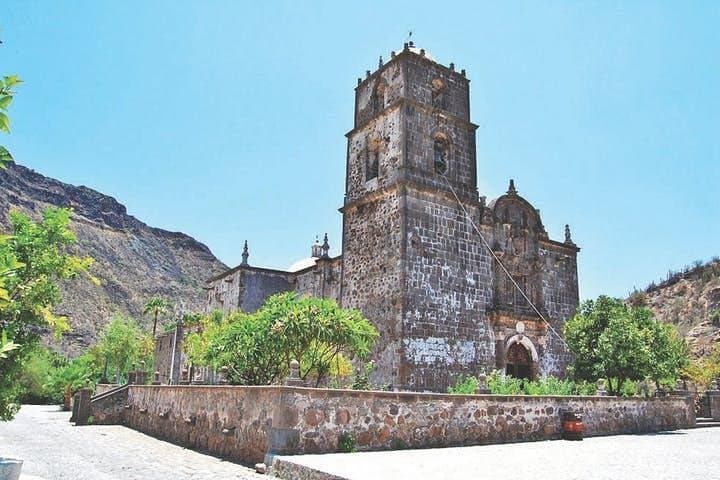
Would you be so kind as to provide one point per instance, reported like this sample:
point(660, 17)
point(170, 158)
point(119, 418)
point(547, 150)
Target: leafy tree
point(257, 348)
point(7, 93)
point(316, 331)
point(33, 258)
point(81, 372)
point(614, 341)
point(122, 346)
point(38, 372)
point(156, 306)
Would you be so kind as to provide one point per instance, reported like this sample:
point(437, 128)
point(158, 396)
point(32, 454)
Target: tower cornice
point(403, 101)
point(411, 52)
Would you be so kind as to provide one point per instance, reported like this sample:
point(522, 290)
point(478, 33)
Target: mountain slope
point(132, 260)
point(690, 299)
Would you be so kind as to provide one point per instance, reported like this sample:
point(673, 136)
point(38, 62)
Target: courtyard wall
point(252, 424)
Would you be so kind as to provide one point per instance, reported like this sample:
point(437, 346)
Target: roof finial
point(568, 237)
point(245, 255)
point(316, 249)
point(325, 247)
point(380, 62)
point(511, 188)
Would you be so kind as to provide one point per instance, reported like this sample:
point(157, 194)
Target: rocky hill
point(689, 299)
point(132, 260)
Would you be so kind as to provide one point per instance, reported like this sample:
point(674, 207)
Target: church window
point(438, 93)
point(440, 155)
point(373, 165)
point(377, 98)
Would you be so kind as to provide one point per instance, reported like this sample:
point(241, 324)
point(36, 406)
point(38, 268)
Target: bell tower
point(409, 262)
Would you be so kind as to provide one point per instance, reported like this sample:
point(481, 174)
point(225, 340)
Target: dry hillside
point(132, 260)
point(690, 299)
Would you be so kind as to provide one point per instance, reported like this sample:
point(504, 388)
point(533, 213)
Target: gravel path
point(53, 449)
point(686, 454)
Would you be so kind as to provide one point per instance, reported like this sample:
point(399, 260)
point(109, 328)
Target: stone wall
point(108, 407)
point(246, 423)
point(322, 280)
point(169, 356)
point(372, 276)
point(448, 284)
point(245, 288)
point(232, 422)
point(714, 404)
point(384, 420)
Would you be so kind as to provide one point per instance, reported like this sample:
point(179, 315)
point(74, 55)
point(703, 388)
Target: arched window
point(438, 93)
point(372, 166)
point(378, 97)
point(441, 149)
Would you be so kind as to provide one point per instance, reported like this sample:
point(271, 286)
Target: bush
point(362, 377)
point(549, 386)
point(465, 386)
point(501, 384)
point(347, 443)
point(37, 376)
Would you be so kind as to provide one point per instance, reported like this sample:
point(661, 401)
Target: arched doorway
point(519, 362)
point(521, 357)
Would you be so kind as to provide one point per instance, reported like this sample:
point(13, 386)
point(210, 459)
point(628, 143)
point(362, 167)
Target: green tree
point(156, 306)
point(123, 346)
point(258, 348)
point(614, 341)
point(33, 259)
point(7, 93)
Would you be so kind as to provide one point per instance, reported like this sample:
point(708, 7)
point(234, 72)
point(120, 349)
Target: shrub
point(549, 386)
point(501, 384)
point(347, 443)
point(465, 385)
point(362, 377)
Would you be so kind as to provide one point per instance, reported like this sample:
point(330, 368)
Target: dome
point(302, 264)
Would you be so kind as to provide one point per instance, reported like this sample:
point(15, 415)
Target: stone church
point(421, 249)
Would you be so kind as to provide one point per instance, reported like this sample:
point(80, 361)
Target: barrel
point(572, 426)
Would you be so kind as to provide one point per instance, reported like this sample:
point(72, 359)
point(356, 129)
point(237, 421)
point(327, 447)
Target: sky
point(226, 119)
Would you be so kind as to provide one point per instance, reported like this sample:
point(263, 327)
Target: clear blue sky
point(226, 120)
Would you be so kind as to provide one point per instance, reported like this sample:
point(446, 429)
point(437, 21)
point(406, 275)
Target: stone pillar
point(294, 379)
point(482, 385)
point(601, 391)
point(140, 377)
point(713, 395)
point(185, 376)
point(284, 436)
point(73, 416)
point(223, 373)
point(500, 355)
point(84, 409)
point(156, 378)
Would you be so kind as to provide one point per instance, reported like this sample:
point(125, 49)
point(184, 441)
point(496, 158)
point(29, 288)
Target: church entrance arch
point(521, 358)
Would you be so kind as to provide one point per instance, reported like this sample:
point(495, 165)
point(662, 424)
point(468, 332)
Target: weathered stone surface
point(287, 420)
point(413, 261)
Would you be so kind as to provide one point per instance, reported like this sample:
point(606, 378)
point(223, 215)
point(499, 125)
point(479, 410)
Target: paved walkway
point(53, 449)
point(686, 454)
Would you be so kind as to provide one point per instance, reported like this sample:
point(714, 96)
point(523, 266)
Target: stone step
point(706, 423)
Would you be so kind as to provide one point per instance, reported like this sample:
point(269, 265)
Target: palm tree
point(156, 306)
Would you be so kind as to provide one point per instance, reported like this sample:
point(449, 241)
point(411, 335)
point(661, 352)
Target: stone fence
point(252, 424)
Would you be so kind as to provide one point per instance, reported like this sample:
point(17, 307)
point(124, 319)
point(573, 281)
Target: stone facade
point(252, 424)
point(421, 249)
